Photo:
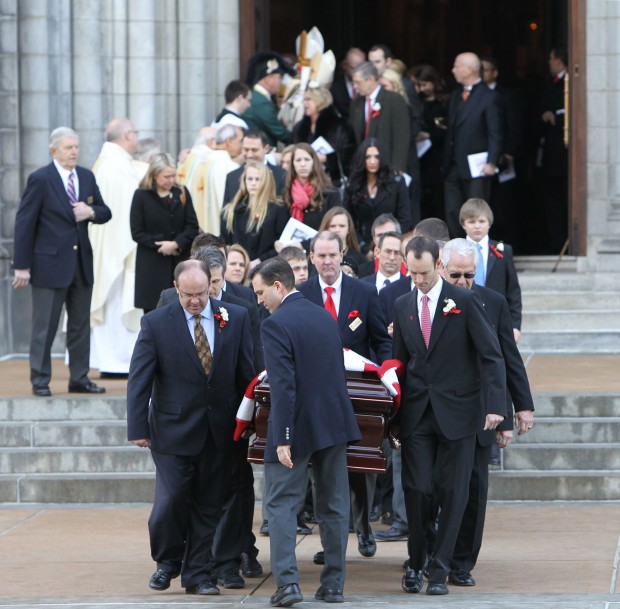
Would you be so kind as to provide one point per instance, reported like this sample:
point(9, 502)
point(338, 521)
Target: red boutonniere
point(222, 318)
point(449, 307)
point(352, 314)
point(498, 249)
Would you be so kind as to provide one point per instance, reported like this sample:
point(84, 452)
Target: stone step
point(571, 342)
point(537, 485)
point(572, 405)
point(75, 460)
point(564, 430)
point(62, 409)
point(534, 301)
point(560, 456)
point(70, 433)
point(77, 488)
point(575, 321)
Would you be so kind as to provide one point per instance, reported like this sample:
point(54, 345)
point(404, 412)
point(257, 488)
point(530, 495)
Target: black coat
point(153, 218)
point(337, 132)
point(393, 199)
point(233, 179)
point(258, 243)
point(431, 161)
point(314, 216)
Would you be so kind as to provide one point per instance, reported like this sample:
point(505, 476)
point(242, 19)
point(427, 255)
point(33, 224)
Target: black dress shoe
point(319, 558)
point(88, 387)
point(375, 514)
point(329, 595)
point(461, 577)
point(412, 581)
point(42, 391)
point(160, 580)
point(264, 528)
point(366, 545)
point(392, 534)
point(250, 567)
point(206, 588)
point(302, 527)
point(286, 596)
point(436, 589)
point(230, 580)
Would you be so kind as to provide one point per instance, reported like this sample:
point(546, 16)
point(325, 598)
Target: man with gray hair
point(378, 113)
point(114, 320)
point(459, 258)
point(53, 253)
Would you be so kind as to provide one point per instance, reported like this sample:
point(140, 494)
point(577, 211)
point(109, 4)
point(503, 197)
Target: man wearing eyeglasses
point(459, 258)
point(190, 367)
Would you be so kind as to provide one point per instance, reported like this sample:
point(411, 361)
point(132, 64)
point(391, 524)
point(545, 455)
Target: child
point(298, 261)
point(495, 267)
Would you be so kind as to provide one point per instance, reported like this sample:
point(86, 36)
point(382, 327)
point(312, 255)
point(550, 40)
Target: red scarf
point(300, 193)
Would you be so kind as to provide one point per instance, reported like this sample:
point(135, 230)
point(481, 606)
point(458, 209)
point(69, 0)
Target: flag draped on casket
point(387, 373)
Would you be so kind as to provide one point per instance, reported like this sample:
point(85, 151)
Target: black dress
point(258, 243)
point(314, 216)
point(154, 218)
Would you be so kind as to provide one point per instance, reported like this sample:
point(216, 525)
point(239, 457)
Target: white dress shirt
point(337, 285)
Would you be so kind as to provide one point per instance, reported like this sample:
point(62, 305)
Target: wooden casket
point(372, 405)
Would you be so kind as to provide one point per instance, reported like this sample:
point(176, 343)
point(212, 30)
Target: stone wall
point(163, 63)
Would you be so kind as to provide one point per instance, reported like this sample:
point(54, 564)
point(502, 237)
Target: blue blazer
point(185, 403)
point(310, 405)
point(48, 240)
point(362, 297)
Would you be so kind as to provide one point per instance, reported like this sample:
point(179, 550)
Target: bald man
point(474, 126)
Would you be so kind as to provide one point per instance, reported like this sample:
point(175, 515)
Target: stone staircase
point(74, 450)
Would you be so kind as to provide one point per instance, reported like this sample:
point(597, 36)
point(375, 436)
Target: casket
point(372, 405)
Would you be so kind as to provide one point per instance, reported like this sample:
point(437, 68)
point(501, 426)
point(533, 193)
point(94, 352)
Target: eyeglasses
point(459, 275)
point(198, 295)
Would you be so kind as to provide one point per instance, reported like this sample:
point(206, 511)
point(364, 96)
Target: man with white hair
point(54, 255)
point(113, 318)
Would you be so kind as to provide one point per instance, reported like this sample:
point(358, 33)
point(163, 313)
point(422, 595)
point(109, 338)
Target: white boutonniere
point(376, 107)
point(222, 318)
point(500, 246)
point(449, 307)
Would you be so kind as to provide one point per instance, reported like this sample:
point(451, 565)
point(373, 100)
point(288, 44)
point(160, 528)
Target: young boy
point(495, 267)
point(298, 261)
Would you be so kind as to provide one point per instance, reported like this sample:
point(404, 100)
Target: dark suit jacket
point(392, 125)
point(310, 405)
point(262, 114)
point(185, 403)
point(519, 392)
point(241, 291)
point(555, 153)
point(170, 295)
point(48, 240)
point(372, 280)
point(233, 179)
point(391, 293)
point(363, 298)
point(340, 93)
point(502, 277)
point(473, 126)
point(461, 371)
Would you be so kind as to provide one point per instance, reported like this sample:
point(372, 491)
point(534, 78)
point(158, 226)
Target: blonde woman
point(393, 81)
point(254, 218)
point(237, 264)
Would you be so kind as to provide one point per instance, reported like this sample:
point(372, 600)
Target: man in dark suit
point(53, 253)
point(255, 147)
point(342, 88)
point(190, 367)
point(354, 304)
point(378, 113)
point(474, 125)
point(459, 259)
point(388, 253)
point(309, 420)
point(452, 358)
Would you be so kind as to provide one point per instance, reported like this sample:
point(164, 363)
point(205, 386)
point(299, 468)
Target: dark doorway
point(518, 34)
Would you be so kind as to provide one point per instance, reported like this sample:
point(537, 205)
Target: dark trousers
point(234, 532)
point(456, 192)
point(285, 493)
point(189, 495)
point(556, 212)
point(46, 308)
point(421, 451)
point(361, 492)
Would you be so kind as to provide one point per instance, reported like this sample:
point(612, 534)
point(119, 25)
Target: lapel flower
point(352, 314)
point(497, 249)
point(449, 307)
point(376, 110)
point(222, 318)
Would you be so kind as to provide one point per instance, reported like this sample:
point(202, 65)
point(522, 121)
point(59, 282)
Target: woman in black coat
point(255, 219)
point(321, 119)
point(374, 189)
point(163, 224)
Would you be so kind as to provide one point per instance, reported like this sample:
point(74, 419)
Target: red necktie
point(368, 117)
point(425, 321)
point(465, 95)
point(330, 307)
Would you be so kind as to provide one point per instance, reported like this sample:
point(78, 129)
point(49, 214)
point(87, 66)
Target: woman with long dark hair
point(375, 189)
